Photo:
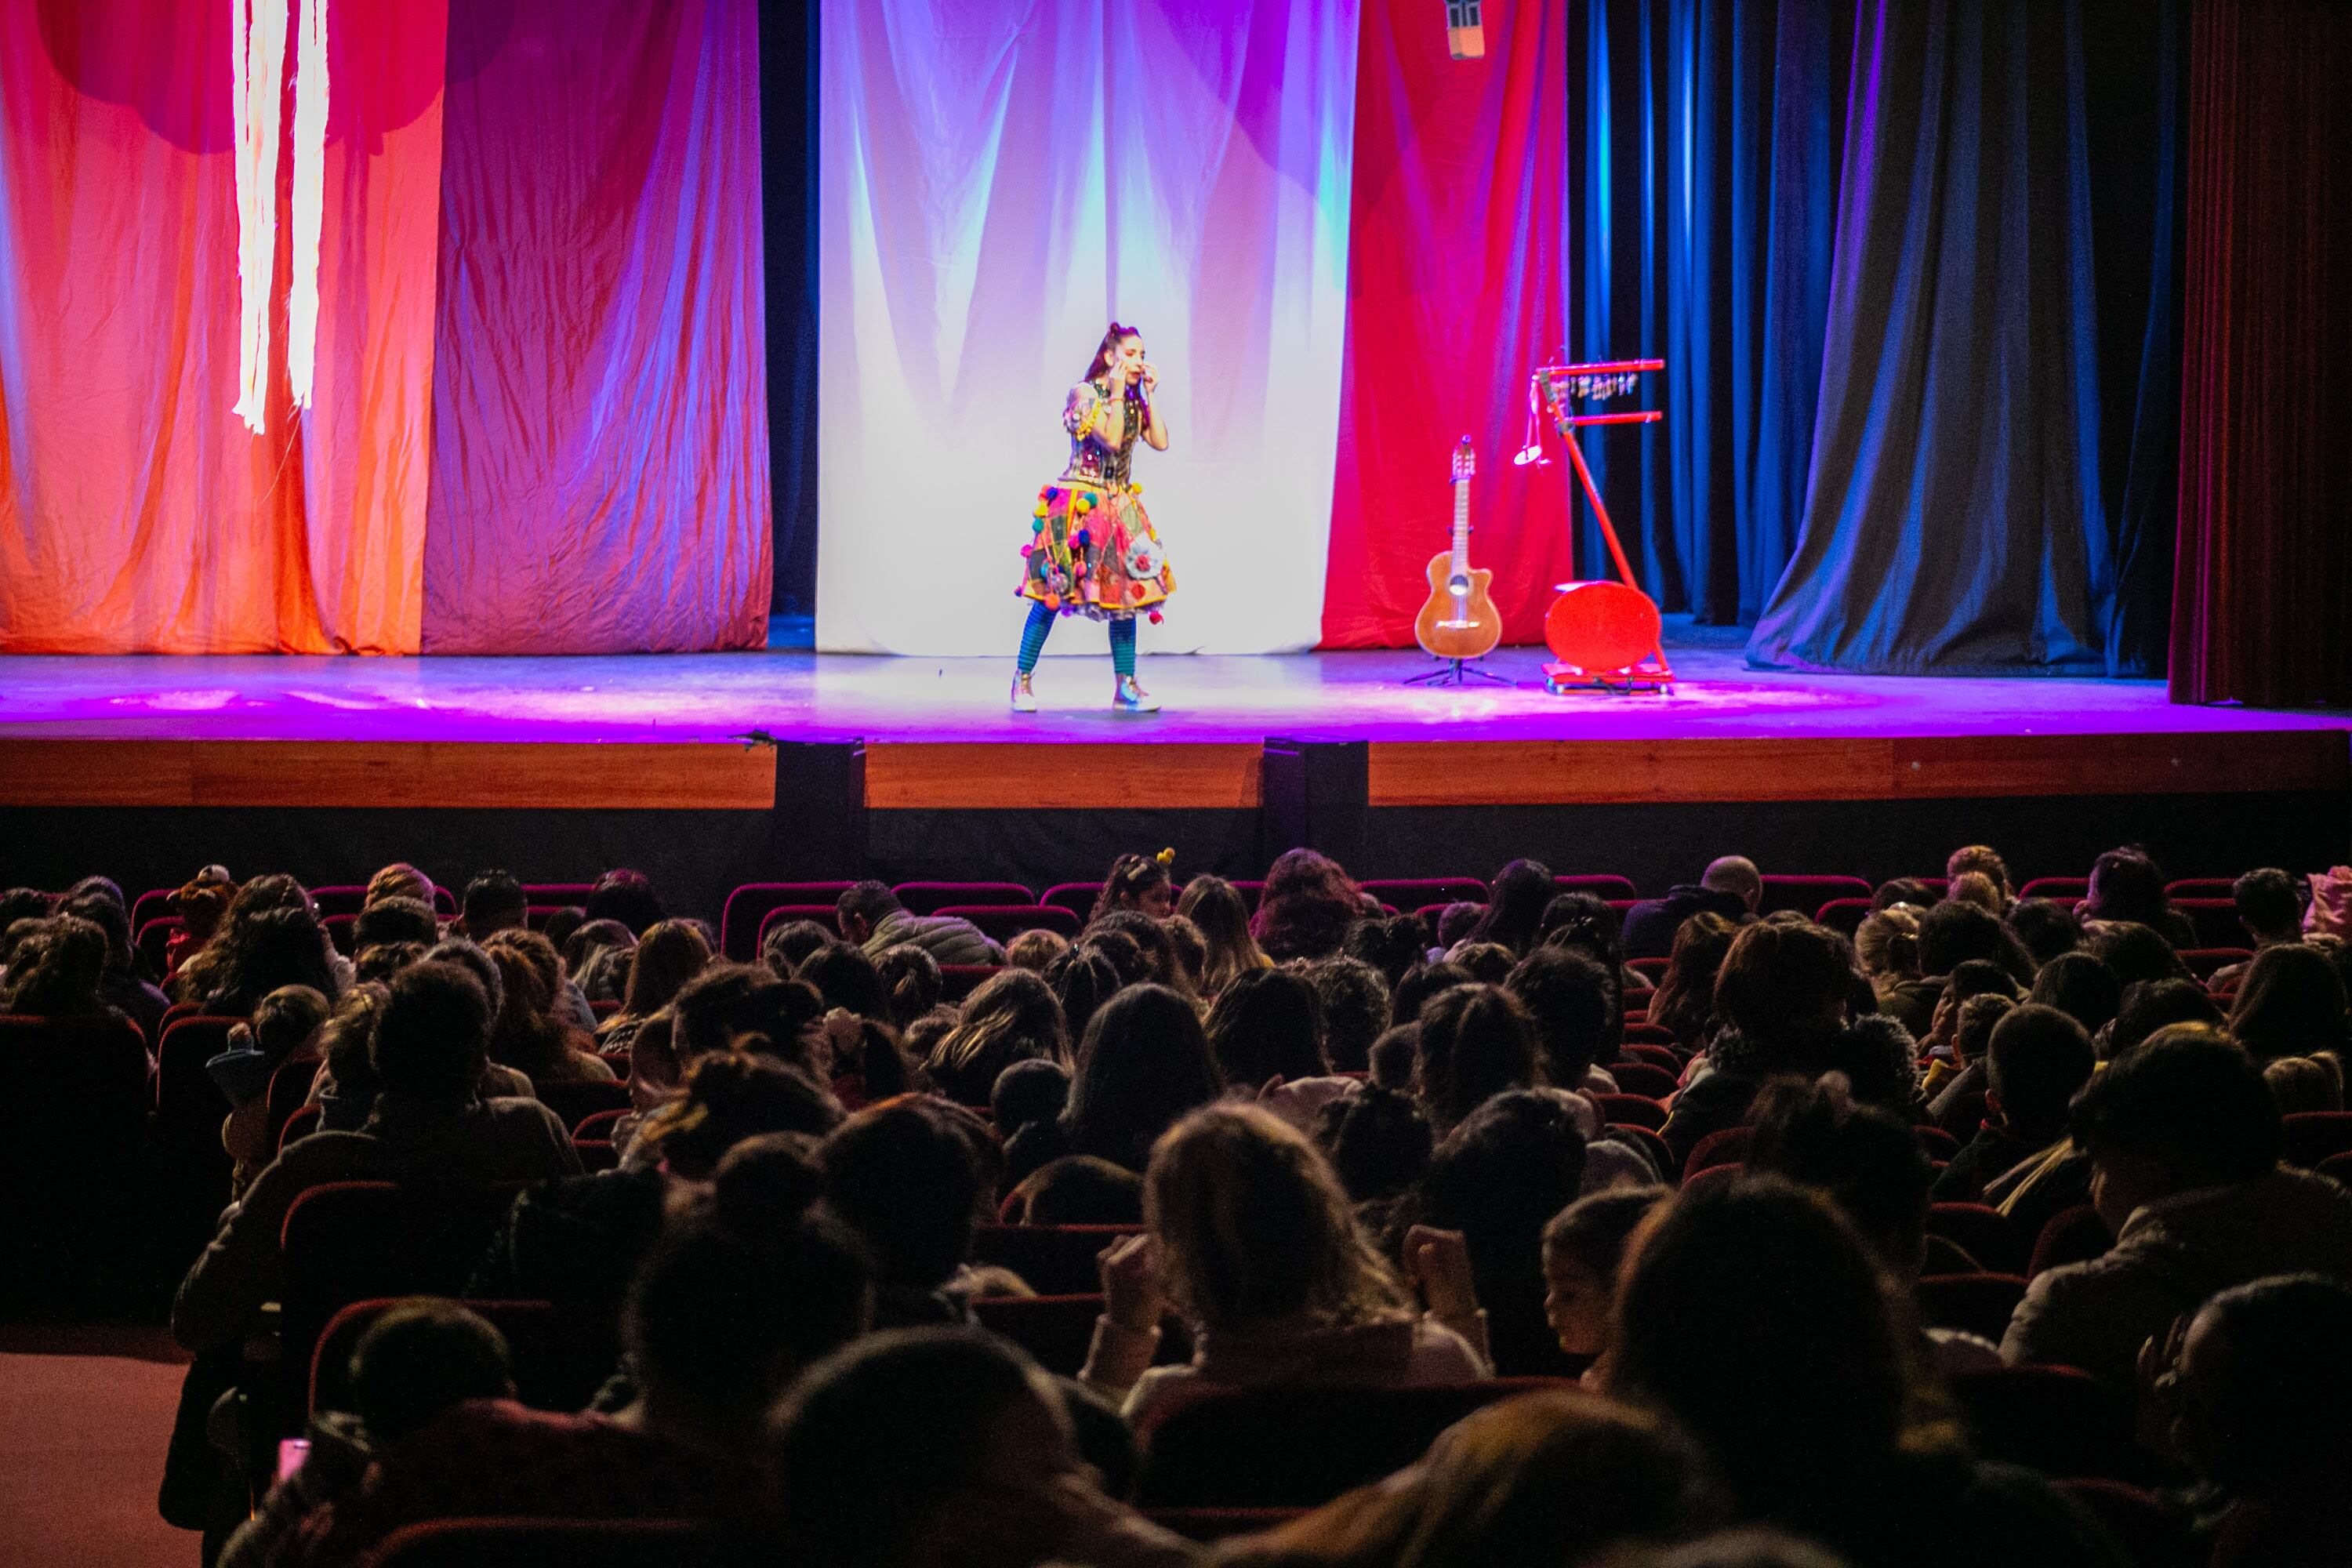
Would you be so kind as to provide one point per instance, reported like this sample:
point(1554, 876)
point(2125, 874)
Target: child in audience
point(1249, 1237)
point(907, 1176)
point(1476, 1041)
point(284, 1024)
point(1355, 1003)
point(1035, 950)
point(1583, 1246)
point(2036, 1059)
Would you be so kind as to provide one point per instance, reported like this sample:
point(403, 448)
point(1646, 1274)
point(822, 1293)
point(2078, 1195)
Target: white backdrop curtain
point(1001, 178)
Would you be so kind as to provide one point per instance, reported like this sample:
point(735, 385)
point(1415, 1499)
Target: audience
point(1445, 1205)
point(2184, 1142)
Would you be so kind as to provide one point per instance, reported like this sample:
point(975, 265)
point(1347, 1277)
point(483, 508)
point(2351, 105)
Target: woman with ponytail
point(1092, 551)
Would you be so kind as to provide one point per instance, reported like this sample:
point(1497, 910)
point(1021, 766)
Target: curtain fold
point(600, 453)
point(137, 512)
point(2264, 562)
point(998, 181)
point(1457, 286)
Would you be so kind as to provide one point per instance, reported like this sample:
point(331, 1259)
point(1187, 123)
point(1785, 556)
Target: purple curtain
point(600, 445)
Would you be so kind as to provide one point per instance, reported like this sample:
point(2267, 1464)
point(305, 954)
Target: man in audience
point(1730, 887)
point(429, 1050)
point(871, 916)
point(2037, 1059)
point(493, 902)
point(2184, 1141)
point(2270, 906)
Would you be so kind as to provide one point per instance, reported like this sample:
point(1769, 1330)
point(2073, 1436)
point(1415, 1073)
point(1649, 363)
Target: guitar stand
point(1457, 672)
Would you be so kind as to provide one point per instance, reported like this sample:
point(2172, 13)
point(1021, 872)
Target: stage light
point(1465, 34)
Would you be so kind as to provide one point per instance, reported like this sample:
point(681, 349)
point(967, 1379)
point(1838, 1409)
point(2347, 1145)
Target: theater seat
point(1808, 894)
point(2062, 888)
point(786, 914)
point(2071, 1236)
point(1006, 921)
point(74, 1163)
point(958, 980)
point(1657, 1055)
point(1605, 888)
point(548, 1543)
point(745, 914)
point(1984, 1232)
point(543, 1378)
point(1054, 1330)
point(1726, 1146)
point(1410, 894)
point(929, 897)
point(1301, 1446)
point(2214, 921)
point(1843, 916)
point(1978, 1304)
point(1643, 1077)
point(574, 1104)
point(1633, 1110)
point(1661, 1154)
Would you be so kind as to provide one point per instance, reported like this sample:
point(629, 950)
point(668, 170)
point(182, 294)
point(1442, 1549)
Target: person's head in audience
point(283, 945)
point(1190, 950)
point(1391, 944)
point(1755, 1316)
point(2303, 1083)
point(432, 1037)
point(1353, 997)
point(729, 1000)
point(2259, 1402)
point(1137, 882)
point(1078, 1189)
point(1886, 944)
point(1217, 907)
point(492, 902)
point(1394, 1056)
point(1144, 1062)
point(1571, 1000)
point(1265, 1024)
point(420, 1359)
point(476, 961)
point(1955, 931)
point(924, 1446)
point(912, 984)
point(591, 950)
point(1476, 1041)
point(2136, 952)
point(347, 1041)
point(905, 1176)
point(56, 970)
point(1129, 959)
point(1516, 902)
point(1252, 1227)
point(287, 1021)
point(2081, 986)
point(788, 945)
point(624, 896)
point(32, 904)
point(1550, 1478)
point(1685, 1000)
point(1976, 888)
point(1455, 922)
point(2044, 927)
point(1784, 988)
point(1975, 978)
point(846, 979)
point(1908, 892)
point(1497, 1177)
point(727, 1309)
point(1035, 950)
point(2290, 1004)
point(112, 920)
point(1583, 1247)
point(395, 919)
point(1378, 1140)
point(1308, 905)
point(527, 1034)
point(2036, 1060)
point(861, 909)
point(2270, 905)
point(1082, 980)
point(202, 902)
point(731, 1096)
point(1864, 1159)
point(2127, 885)
point(1584, 922)
point(386, 959)
point(1149, 938)
point(2185, 1109)
point(1028, 1092)
point(2148, 1006)
point(669, 954)
point(1486, 962)
point(1736, 875)
point(399, 881)
point(1012, 1017)
point(565, 923)
point(1423, 982)
point(1985, 861)
point(105, 887)
point(869, 1051)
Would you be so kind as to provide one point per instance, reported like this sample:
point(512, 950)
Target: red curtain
point(1457, 286)
point(137, 512)
point(2262, 582)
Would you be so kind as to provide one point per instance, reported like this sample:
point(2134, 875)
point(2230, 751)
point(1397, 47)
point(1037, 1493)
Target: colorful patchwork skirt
point(1093, 552)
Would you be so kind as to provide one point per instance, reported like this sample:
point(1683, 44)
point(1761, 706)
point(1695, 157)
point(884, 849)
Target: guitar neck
point(1460, 524)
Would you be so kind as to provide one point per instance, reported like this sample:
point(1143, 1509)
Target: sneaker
point(1129, 697)
point(1024, 700)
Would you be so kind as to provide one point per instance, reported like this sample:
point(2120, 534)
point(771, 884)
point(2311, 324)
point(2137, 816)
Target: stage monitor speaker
point(1315, 795)
point(820, 818)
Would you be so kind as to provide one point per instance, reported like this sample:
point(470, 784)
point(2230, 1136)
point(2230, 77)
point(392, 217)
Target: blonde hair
point(1887, 944)
point(1034, 949)
point(399, 881)
point(2303, 1083)
point(1984, 859)
point(1979, 888)
point(1252, 1225)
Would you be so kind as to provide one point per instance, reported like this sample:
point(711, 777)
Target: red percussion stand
point(1605, 634)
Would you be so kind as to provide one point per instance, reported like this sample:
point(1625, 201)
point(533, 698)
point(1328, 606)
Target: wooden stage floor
point(668, 731)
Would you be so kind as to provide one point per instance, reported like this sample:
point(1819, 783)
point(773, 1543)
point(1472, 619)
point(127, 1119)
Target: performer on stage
point(1092, 551)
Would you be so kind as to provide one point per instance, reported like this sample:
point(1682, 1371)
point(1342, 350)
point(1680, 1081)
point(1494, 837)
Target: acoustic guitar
point(1459, 621)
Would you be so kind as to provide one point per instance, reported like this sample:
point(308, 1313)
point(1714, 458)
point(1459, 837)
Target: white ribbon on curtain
point(999, 179)
point(257, 88)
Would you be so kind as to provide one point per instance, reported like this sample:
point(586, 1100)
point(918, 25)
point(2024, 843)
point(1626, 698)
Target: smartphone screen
point(291, 1452)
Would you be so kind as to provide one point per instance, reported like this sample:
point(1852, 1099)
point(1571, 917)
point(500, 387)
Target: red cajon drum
point(1600, 628)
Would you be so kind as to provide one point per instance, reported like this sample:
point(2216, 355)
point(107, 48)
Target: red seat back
point(1843, 916)
point(929, 897)
point(1633, 1110)
point(1984, 1232)
point(2076, 887)
point(958, 980)
point(2203, 961)
point(299, 1125)
point(1725, 1146)
point(2071, 1236)
point(1410, 894)
point(1808, 894)
point(575, 1102)
point(1647, 1049)
point(784, 915)
point(1006, 921)
point(1646, 1078)
point(745, 914)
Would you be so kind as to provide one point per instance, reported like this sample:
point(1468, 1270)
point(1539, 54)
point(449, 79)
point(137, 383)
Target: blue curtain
point(1914, 272)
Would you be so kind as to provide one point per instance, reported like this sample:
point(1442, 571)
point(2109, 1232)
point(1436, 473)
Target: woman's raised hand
point(1438, 1264)
point(1130, 1281)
